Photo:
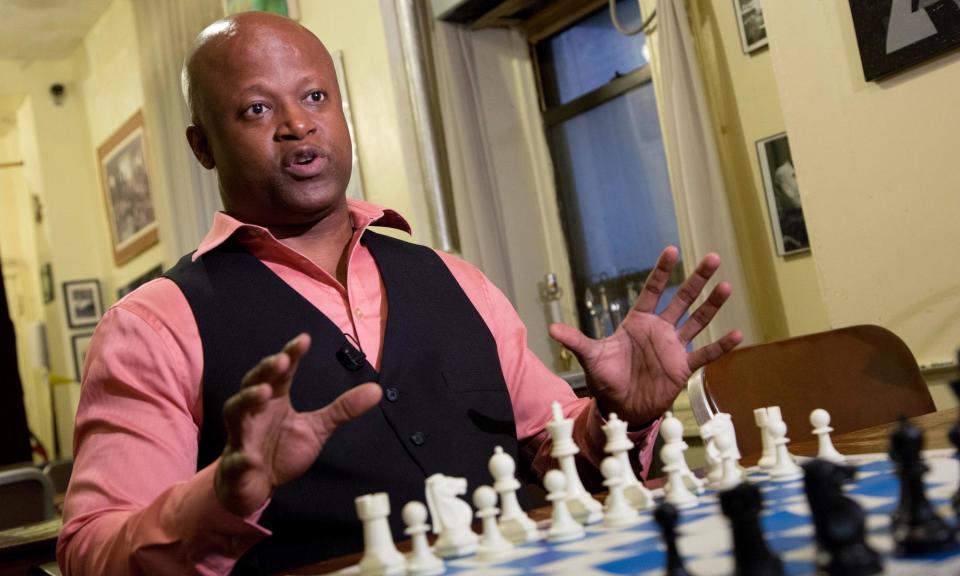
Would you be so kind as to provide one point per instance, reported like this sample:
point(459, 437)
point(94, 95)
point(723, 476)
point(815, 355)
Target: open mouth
point(305, 162)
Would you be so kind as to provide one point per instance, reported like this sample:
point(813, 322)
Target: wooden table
point(876, 439)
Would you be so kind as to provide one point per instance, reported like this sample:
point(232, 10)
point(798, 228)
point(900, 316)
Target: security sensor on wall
point(57, 91)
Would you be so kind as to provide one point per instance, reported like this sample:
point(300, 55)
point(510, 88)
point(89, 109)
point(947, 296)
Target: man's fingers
point(294, 350)
point(705, 313)
point(233, 465)
point(266, 370)
point(690, 290)
point(699, 358)
point(245, 402)
point(657, 280)
point(576, 341)
point(278, 369)
point(349, 405)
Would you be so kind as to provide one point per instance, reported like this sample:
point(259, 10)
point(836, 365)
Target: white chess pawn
point(584, 508)
point(618, 446)
point(732, 474)
point(421, 561)
point(769, 457)
point(563, 527)
point(784, 468)
point(492, 545)
point(820, 420)
point(676, 491)
point(711, 453)
point(380, 555)
point(617, 511)
point(671, 430)
point(514, 522)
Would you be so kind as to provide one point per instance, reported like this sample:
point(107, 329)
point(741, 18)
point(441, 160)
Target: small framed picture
point(46, 282)
point(783, 195)
point(84, 306)
point(155, 272)
point(753, 32)
point(288, 8)
point(81, 343)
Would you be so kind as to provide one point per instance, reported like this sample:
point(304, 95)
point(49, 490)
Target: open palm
point(640, 369)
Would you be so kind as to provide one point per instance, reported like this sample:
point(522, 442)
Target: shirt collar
point(362, 215)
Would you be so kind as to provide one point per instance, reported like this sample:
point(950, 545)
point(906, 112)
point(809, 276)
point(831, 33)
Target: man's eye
point(318, 96)
point(256, 109)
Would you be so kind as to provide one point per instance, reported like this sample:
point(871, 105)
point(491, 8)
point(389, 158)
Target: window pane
point(614, 193)
point(589, 54)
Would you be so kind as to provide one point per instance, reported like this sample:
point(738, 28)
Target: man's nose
point(297, 124)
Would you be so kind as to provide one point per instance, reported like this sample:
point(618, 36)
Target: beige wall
point(744, 103)
point(877, 163)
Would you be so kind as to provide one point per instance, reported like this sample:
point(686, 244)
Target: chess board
point(705, 538)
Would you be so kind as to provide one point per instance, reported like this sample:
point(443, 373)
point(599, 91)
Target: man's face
point(271, 123)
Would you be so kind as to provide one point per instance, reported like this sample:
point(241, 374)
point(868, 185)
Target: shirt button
point(417, 438)
point(392, 394)
point(358, 312)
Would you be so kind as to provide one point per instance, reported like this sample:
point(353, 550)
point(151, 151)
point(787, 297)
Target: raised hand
point(640, 369)
point(270, 444)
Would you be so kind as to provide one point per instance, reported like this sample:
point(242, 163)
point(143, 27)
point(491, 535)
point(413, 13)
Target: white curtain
point(703, 214)
point(189, 193)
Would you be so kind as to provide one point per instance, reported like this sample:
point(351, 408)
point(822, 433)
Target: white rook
point(380, 556)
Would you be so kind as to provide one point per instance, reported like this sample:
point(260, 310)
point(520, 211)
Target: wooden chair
point(27, 497)
point(862, 375)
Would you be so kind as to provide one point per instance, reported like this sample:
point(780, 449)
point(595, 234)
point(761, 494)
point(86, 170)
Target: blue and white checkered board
point(705, 540)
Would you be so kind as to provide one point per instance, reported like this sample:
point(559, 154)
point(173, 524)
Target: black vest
point(445, 403)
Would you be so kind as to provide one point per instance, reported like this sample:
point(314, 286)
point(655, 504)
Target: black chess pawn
point(838, 522)
point(742, 505)
point(667, 517)
point(917, 529)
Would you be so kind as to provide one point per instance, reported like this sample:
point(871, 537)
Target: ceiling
point(45, 29)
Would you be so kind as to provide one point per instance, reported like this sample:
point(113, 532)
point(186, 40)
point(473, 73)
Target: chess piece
point(451, 516)
point(583, 507)
point(917, 529)
point(563, 526)
point(493, 545)
point(784, 469)
point(617, 511)
point(618, 446)
point(838, 521)
point(742, 505)
point(711, 454)
point(667, 517)
point(421, 561)
point(820, 420)
point(380, 555)
point(732, 474)
point(671, 430)
point(769, 457)
point(514, 522)
point(676, 491)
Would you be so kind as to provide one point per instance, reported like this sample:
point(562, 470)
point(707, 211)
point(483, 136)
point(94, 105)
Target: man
point(160, 486)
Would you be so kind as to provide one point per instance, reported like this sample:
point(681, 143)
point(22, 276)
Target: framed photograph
point(84, 306)
point(355, 186)
point(126, 189)
point(46, 282)
point(289, 8)
point(893, 35)
point(753, 32)
point(783, 195)
point(155, 272)
point(81, 343)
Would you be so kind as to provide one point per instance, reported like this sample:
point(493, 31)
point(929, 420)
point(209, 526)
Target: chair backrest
point(862, 375)
point(27, 497)
point(59, 471)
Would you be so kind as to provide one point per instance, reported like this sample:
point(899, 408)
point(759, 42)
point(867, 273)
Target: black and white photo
point(783, 195)
point(81, 343)
point(753, 32)
point(82, 299)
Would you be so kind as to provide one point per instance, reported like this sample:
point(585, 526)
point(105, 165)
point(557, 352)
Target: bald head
point(204, 58)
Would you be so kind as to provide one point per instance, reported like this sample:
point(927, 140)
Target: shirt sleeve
point(533, 387)
point(136, 502)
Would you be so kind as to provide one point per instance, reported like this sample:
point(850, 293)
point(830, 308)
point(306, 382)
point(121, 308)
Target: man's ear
point(200, 146)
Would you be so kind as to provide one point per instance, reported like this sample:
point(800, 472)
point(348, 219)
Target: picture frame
point(288, 8)
point(46, 282)
point(83, 303)
point(893, 35)
point(124, 177)
point(783, 195)
point(753, 31)
point(80, 344)
point(355, 186)
point(155, 272)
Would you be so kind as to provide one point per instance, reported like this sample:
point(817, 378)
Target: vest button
point(417, 438)
point(392, 394)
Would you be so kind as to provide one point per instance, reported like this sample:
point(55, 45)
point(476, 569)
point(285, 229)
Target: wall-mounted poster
point(753, 32)
point(783, 195)
point(289, 8)
point(126, 189)
point(896, 34)
point(81, 343)
point(82, 299)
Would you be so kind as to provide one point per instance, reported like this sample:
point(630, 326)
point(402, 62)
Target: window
point(613, 189)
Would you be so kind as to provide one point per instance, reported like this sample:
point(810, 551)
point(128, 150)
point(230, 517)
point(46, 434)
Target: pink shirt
point(136, 502)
